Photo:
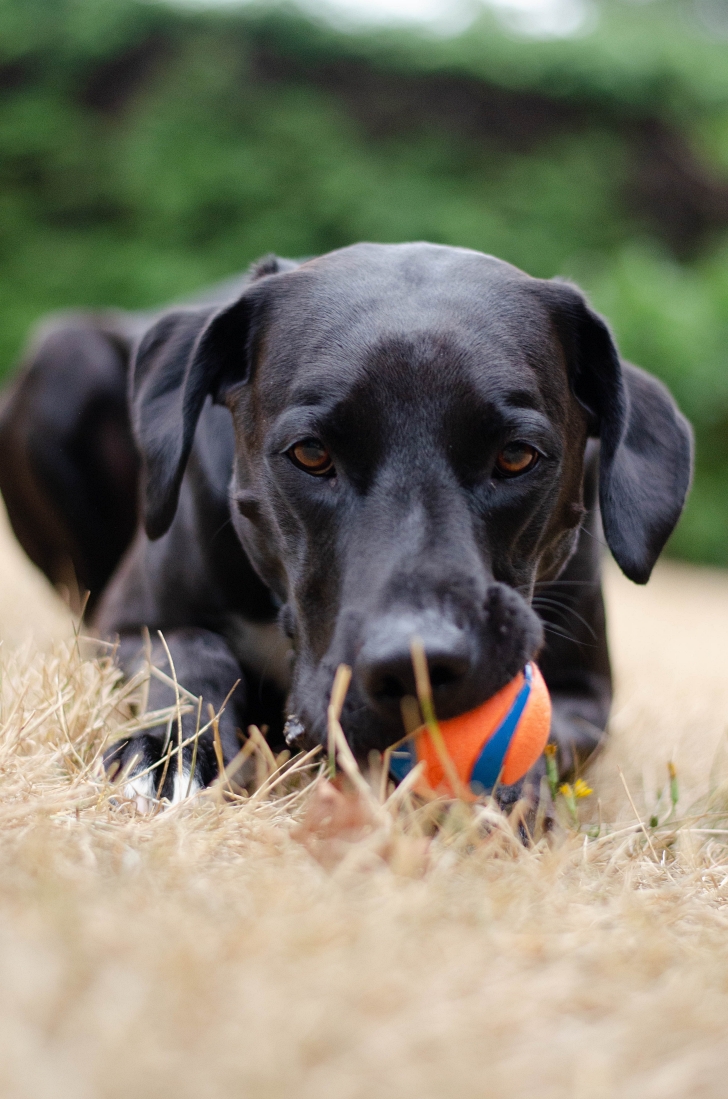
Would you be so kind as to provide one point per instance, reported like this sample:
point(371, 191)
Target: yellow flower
point(566, 790)
point(581, 790)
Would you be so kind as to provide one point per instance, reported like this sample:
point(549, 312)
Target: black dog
point(385, 441)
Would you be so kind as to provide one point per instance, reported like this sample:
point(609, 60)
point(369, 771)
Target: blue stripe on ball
point(489, 763)
point(402, 760)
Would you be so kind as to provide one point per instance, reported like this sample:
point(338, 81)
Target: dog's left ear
point(646, 444)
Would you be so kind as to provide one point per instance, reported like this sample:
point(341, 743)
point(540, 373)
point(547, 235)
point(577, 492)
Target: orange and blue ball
point(496, 743)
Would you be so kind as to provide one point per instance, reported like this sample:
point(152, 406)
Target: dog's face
point(408, 463)
point(410, 425)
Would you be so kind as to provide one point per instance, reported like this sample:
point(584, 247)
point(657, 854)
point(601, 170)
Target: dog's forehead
point(407, 316)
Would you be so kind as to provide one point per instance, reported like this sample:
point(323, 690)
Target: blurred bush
point(146, 150)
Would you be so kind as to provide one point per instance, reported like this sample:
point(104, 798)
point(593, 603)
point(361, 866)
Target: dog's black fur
point(414, 366)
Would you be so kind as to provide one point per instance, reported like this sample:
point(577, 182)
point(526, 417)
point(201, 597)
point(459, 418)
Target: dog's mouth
point(464, 660)
point(366, 730)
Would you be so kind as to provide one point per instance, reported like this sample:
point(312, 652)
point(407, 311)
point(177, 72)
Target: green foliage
point(146, 151)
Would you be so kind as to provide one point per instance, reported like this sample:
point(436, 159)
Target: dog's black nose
point(384, 666)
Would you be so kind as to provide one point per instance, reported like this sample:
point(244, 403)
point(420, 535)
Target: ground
point(237, 947)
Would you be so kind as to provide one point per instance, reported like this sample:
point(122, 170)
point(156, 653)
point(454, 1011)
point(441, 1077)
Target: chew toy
point(495, 743)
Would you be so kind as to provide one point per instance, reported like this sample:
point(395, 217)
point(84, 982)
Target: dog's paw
point(150, 777)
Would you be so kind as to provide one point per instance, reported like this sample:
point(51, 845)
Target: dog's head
point(410, 426)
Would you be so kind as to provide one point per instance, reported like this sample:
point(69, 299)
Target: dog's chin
point(512, 635)
point(365, 730)
point(297, 736)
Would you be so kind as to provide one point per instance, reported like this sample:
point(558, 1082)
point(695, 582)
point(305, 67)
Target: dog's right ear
point(184, 357)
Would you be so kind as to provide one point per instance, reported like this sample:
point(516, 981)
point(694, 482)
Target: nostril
point(442, 676)
point(391, 688)
point(384, 670)
point(389, 682)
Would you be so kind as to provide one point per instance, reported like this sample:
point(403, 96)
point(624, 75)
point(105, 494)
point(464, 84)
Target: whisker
point(221, 528)
point(548, 628)
point(554, 604)
point(526, 590)
point(571, 583)
point(559, 631)
point(595, 537)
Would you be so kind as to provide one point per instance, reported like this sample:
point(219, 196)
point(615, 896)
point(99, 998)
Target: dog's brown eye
point(312, 457)
point(516, 458)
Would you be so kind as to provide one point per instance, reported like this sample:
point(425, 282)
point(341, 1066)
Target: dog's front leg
point(148, 762)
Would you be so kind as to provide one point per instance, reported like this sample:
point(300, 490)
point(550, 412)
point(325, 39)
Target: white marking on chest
point(261, 647)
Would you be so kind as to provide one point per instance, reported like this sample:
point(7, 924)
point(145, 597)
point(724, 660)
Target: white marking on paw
point(141, 791)
point(179, 789)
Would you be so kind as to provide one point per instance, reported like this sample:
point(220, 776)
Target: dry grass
point(204, 951)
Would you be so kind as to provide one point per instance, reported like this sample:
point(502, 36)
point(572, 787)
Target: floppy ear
point(184, 357)
point(646, 444)
point(181, 359)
